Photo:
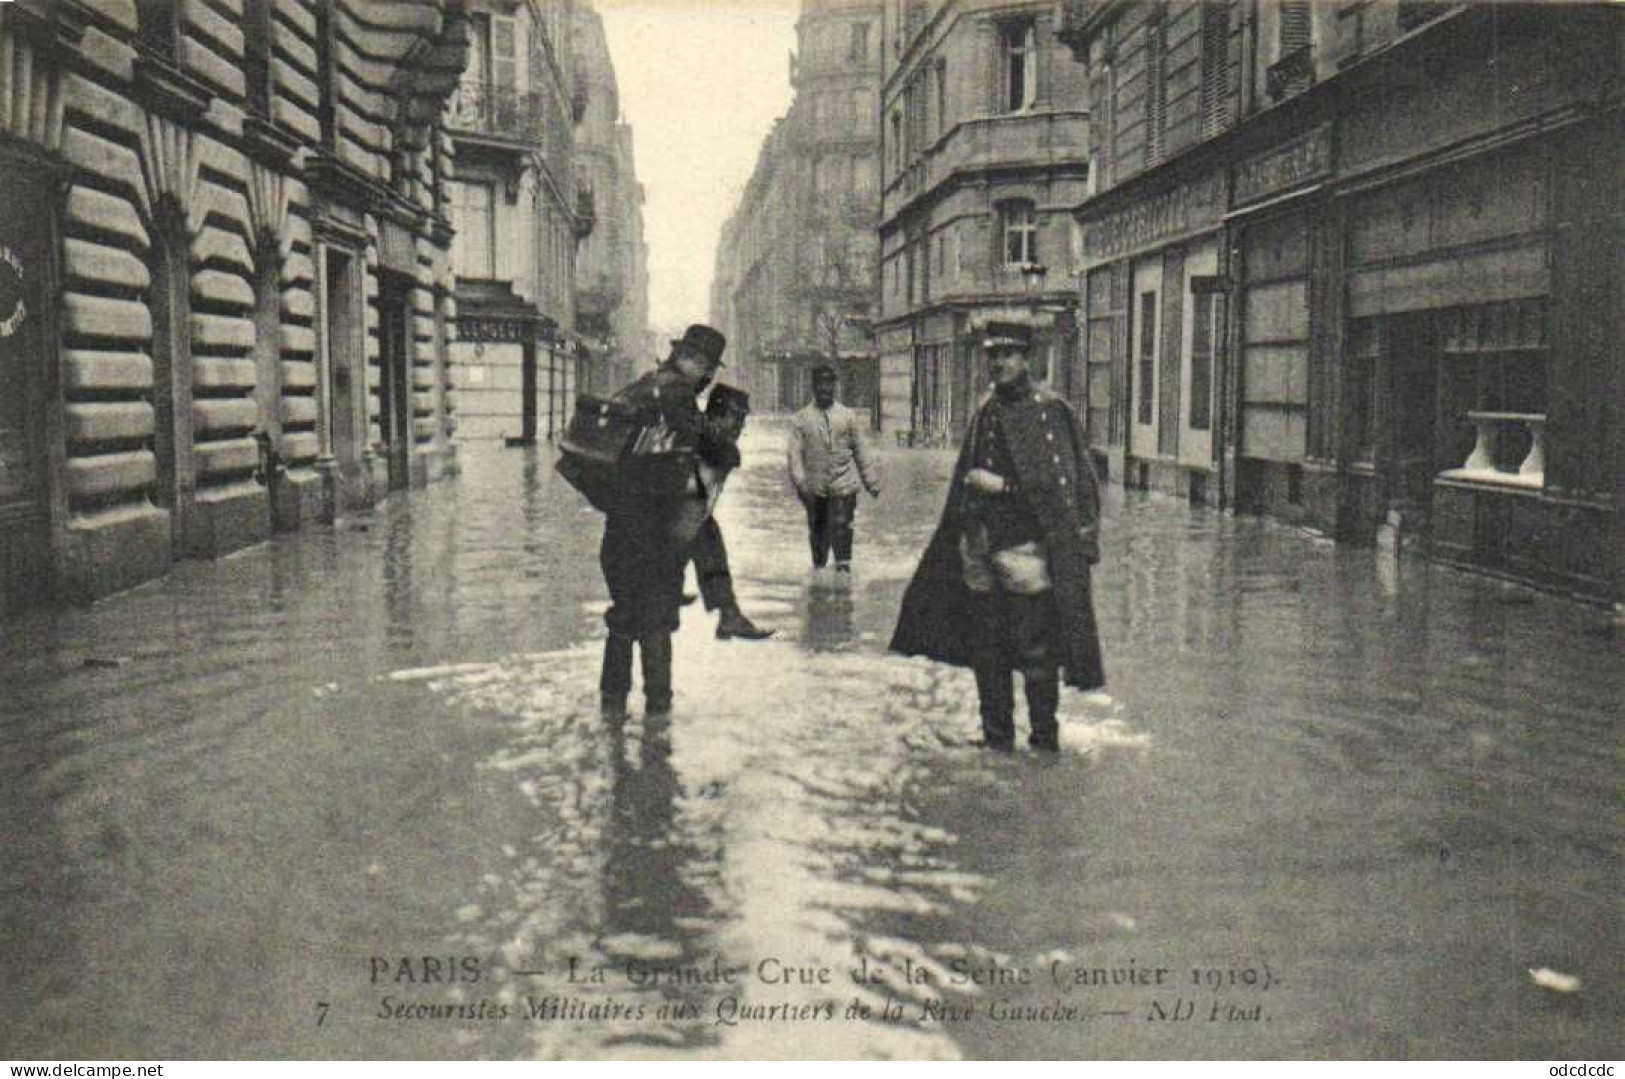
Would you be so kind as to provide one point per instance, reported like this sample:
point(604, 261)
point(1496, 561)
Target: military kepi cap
point(1006, 335)
point(704, 340)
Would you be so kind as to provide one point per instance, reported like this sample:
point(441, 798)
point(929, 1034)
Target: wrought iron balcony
point(1082, 21)
point(586, 213)
point(489, 109)
point(1291, 74)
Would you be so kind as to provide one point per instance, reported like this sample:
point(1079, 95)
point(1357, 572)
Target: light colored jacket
point(828, 454)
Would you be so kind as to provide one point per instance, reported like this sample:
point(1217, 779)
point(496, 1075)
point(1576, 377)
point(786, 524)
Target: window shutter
point(1215, 69)
point(1156, 94)
point(1029, 68)
point(504, 53)
point(1294, 25)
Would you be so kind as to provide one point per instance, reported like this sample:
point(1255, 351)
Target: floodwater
point(348, 795)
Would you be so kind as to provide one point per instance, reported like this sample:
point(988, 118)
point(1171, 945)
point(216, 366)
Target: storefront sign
point(475, 328)
point(1305, 158)
point(1161, 217)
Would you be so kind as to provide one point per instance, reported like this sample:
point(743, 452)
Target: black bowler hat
point(1007, 335)
point(703, 340)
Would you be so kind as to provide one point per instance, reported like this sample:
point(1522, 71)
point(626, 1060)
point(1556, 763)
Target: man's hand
point(874, 492)
point(984, 482)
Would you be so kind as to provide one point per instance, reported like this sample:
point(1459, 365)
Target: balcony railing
point(1081, 21)
point(586, 213)
point(490, 109)
point(1499, 454)
point(1291, 74)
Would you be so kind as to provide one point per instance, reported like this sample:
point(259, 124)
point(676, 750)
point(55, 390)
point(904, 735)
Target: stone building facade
point(795, 275)
point(223, 268)
point(984, 152)
point(511, 127)
point(1356, 265)
point(612, 270)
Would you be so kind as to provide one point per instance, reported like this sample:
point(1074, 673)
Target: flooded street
point(348, 795)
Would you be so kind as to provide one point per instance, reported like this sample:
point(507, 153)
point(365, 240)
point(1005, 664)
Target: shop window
point(1018, 65)
point(1360, 384)
point(1492, 392)
point(1148, 356)
point(1018, 229)
point(1204, 325)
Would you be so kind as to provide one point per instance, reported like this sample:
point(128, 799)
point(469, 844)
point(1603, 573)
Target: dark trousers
point(829, 524)
point(1017, 633)
point(710, 557)
point(643, 568)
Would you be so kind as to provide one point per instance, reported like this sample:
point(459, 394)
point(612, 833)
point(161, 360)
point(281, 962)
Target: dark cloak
point(1054, 471)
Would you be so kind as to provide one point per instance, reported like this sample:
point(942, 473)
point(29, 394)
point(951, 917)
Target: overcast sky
point(701, 83)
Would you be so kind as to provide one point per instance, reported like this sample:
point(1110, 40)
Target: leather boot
point(1043, 685)
point(733, 623)
point(655, 650)
point(615, 680)
point(997, 699)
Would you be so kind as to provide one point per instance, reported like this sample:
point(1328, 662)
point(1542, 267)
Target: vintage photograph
point(824, 529)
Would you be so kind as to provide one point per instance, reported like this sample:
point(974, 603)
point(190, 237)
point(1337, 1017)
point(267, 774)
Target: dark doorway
point(26, 302)
point(343, 339)
point(395, 375)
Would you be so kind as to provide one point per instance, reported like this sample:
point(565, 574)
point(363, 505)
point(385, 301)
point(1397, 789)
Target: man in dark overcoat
point(643, 554)
point(1004, 584)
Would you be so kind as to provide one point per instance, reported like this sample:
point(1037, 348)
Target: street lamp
point(1032, 275)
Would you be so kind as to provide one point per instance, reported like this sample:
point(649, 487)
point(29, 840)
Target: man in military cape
point(1004, 584)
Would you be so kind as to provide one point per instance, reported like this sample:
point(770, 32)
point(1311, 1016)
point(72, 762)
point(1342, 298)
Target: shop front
point(1453, 332)
point(1152, 335)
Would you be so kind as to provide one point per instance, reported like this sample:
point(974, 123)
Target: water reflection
point(828, 626)
point(1403, 791)
point(655, 907)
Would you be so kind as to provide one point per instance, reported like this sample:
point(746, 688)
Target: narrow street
point(310, 799)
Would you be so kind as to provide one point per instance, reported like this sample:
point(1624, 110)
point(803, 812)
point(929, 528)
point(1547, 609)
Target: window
point(1156, 93)
point(1019, 226)
point(158, 26)
point(1020, 66)
point(1294, 69)
point(859, 48)
point(863, 171)
point(1215, 69)
point(862, 113)
point(941, 79)
point(896, 142)
point(327, 91)
point(504, 53)
point(258, 27)
point(1204, 323)
point(473, 216)
point(1148, 355)
point(1295, 27)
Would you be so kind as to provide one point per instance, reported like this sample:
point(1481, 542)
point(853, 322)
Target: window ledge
point(1494, 478)
point(169, 91)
